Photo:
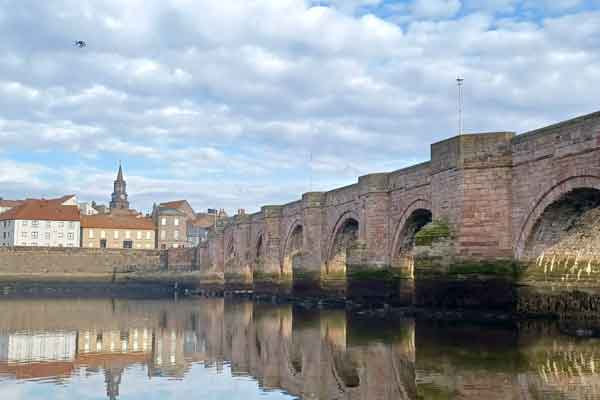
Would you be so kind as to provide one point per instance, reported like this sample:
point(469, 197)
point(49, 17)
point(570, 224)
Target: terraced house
point(171, 219)
point(117, 232)
point(41, 222)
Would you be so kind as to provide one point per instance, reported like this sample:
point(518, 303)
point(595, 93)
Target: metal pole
point(459, 82)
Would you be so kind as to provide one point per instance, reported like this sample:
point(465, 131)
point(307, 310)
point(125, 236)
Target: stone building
point(119, 195)
point(197, 229)
point(117, 232)
point(171, 219)
point(35, 222)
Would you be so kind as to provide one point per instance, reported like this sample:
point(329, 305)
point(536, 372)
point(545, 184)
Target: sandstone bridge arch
point(413, 219)
point(343, 239)
point(554, 213)
point(292, 254)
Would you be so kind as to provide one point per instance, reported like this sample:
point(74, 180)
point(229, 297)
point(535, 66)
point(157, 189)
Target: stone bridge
point(482, 198)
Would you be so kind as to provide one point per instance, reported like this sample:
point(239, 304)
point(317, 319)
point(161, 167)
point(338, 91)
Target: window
point(147, 245)
point(102, 234)
point(148, 235)
point(103, 243)
point(175, 245)
point(116, 234)
point(127, 235)
point(70, 236)
point(35, 224)
point(91, 234)
point(61, 224)
point(139, 235)
point(127, 244)
point(4, 235)
point(163, 235)
point(48, 224)
point(24, 223)
point(34, 235)
point(163, 221)
point(23, 235)
point(176, 221)
point(61, 235)
point(176, 235)
point(47, 235)
point(71, 224)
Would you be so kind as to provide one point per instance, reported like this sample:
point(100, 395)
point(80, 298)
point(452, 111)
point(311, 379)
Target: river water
point(219, 349)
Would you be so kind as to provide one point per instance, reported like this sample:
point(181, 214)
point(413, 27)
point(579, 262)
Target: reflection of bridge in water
point(322, 354)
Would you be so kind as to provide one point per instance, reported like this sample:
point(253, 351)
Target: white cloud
point(231, 96)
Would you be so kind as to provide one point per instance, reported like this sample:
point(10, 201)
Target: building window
point(148, 235)
point(70, 236)
point(176, 221)
point(4, 235)
point(35, 224)
point(127, 235)
point(139, 235)
point(47, 235)
point(163, 235)
point(61, 224)
point(71, 224)
point(24, 223)
point(61, 235)
point(103, 243)
point(147, 245)
point(127, 244)
point(48, 224)
point(23, 235)
point(102, 234)
point(116, 234)
point(176, 235)
point(91, 234)
point(34, 235)
point(163, 221)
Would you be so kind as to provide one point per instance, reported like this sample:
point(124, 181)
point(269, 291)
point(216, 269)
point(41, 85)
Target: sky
point(241, 103)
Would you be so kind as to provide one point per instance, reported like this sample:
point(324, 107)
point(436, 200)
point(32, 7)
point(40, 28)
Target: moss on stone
point(438, 229)
point(379, 274)
point(499, 268)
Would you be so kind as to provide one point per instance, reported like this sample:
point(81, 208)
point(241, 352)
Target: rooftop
point(111, 221)
point(43, 210)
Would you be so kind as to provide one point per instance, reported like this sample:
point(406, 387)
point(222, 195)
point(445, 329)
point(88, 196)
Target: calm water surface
point(217, 349)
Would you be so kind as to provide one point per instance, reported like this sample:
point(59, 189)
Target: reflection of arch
point(549, 197)
point(292, 250)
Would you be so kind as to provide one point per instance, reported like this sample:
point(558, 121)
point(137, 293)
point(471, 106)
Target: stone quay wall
point(84, 265)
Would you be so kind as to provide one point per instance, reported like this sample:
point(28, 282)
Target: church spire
point(120, 173)
point(119, 195)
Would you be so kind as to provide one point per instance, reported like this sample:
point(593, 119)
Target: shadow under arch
point(343, 238)
point(292, 256)
point(416, 216)
point(552, 198)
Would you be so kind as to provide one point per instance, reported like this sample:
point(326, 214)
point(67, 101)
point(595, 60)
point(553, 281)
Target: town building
point(202, 223)
point(48, 223)
point(171, 219)
point(6, 205)
point(117, 232)
point(87, 209)
point(119, 194)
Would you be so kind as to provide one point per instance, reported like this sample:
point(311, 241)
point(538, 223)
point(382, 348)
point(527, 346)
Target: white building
point(48, 223)
point(87, 209)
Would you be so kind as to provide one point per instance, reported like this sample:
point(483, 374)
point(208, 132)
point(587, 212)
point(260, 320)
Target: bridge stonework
point(490, 190)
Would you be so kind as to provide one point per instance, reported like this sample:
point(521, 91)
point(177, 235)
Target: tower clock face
point(122, 197)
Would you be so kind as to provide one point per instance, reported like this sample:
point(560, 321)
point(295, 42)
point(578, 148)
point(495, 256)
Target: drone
point(80, 43)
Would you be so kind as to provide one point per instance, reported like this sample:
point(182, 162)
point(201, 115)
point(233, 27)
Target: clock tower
point(119, 195)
